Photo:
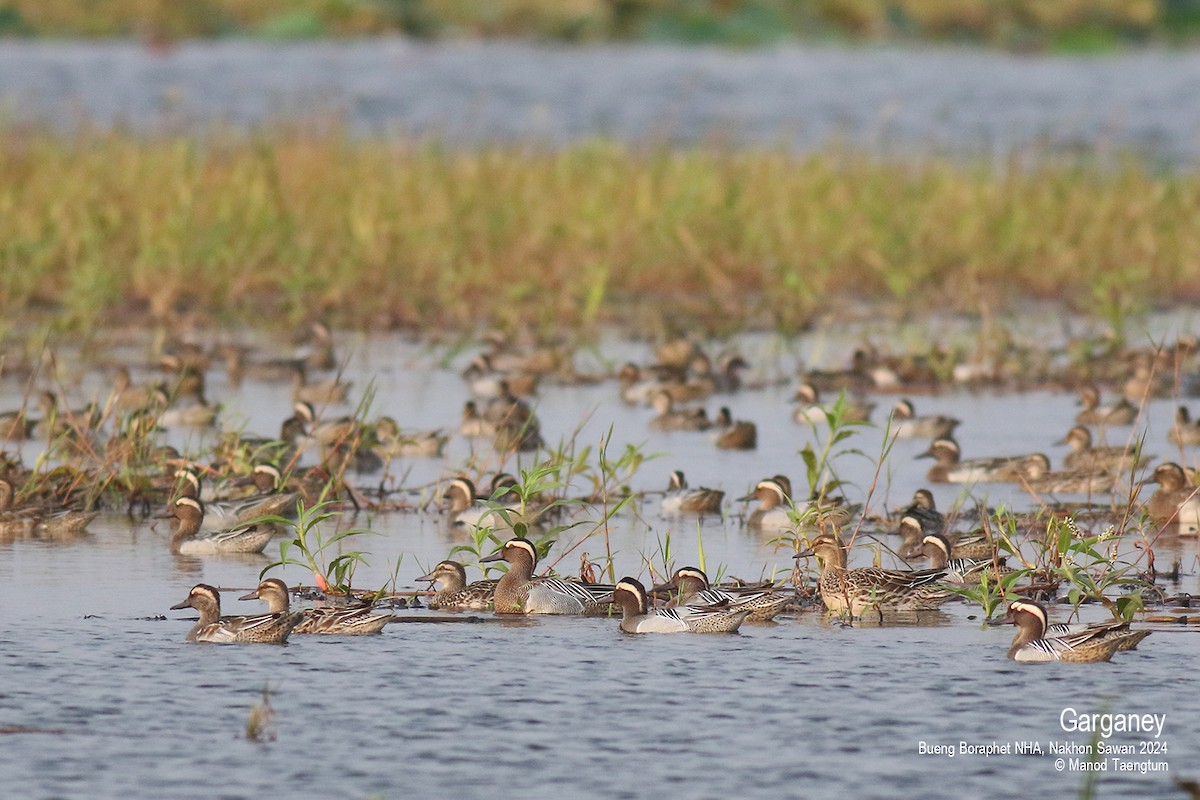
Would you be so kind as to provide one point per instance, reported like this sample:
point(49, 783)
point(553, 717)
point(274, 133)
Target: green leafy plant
point(315, 550)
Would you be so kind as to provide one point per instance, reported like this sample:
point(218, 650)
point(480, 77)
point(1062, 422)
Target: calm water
point(942, 100)
point(115, 703)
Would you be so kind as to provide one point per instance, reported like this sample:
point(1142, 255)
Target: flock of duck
point(218, 507)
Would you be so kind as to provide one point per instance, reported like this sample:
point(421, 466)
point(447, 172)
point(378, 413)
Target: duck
point(344, 621)
point(190, 538)
point(126, 397)
point(950, 468)
point(670, 418)
point(810, 410)
point(231, 514)
point(1174, 492)
point(519, 592)
point(1040, 479)
point(923, 509)
point(958, 570)
point(637, 617)
point(486, 381)
point(272, 370)
point(734, 434)
point(907, 425)
point(882, 591)
point(774, 506)
point(29, 520)
point(964, 546)
point(680, 499)
point(330, 391)
point(466, 508)
point(393, 442)
point(449, 579)
point(473, 424)
point(1083, 455)
point(1185, 430)
point(1120, 413)
point(693, 588)
point(1094, 644)
point(212, 627)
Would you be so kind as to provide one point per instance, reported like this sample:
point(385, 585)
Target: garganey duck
point(734, 434)
point(692, 586)
point(907, 425)
point(1084, 455)
point(449, 579)
point(1095, 643)
point(969, 546)
point(670, 418)
point(951, 468)
point(923, 509)
point(679, 499)
point(345, 621)
point(1174, 493)
point(212, 627)
point(1185, 430)
point(330, 391)
point(519, 592)
point(637, 617)
point(28, 520)
point(190, 538)
point(225, 515)
point(1120, 413)
point(958, 570)
point(468, 509)
point(810, 410)
point(776, 510)
point(394, 442)
point(855, 591)
point(1040, 479)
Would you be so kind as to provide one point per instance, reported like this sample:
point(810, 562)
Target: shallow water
point(885, 99)
point(112, 702)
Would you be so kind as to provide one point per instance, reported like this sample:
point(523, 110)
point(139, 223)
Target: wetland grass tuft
point(386, 233)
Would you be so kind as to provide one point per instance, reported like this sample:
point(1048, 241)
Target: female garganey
point(637, 617)
point(1174, 493)
point(1097, 459)
point(1120, 413)
point(212, 627)
point(693, 589)
point(1096, 643)
point(672, 419)
point(190, 539)
point(872, 588)
point(950, 468)
point(679, 499)
point(519, 592)
point(449, 579)
point(346, 620)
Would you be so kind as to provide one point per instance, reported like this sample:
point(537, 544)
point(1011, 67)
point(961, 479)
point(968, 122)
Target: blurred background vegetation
point(1021, 25)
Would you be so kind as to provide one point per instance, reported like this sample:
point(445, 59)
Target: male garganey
point(872, 588)
point(693, 589)
point(212, 627)
point(345, 620)
point(679, 499)
point(190, 539)
point(1095, 643)
point(637, 617)
point(449, 579)
point(519, 592)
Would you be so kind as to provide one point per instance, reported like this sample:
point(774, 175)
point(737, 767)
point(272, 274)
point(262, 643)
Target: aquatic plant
point(316, 551)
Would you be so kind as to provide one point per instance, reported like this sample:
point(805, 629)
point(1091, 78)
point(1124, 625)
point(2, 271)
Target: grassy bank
point(1072, 25)
point(377, 233)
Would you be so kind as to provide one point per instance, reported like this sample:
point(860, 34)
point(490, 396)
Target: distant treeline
point(1071, 25)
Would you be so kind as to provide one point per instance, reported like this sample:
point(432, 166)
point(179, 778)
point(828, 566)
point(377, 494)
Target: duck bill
point(926, 454)
point(806, 553)
point(179, 606)
point(251, 596)
point(430, 578)
point(664, 588)
point(496, 556)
